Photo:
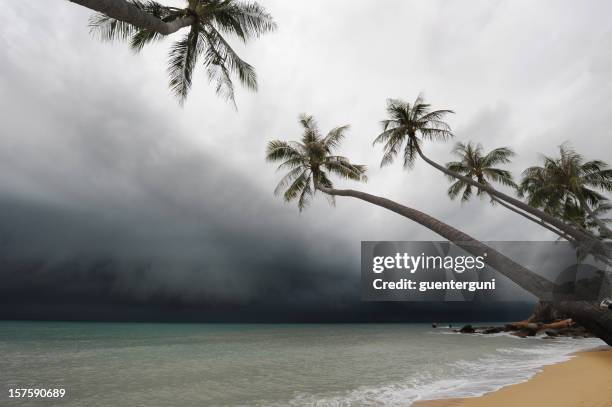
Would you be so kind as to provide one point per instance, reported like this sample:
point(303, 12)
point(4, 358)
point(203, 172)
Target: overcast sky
point(112, 193)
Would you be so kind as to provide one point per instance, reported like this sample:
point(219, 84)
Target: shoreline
point(582, 380)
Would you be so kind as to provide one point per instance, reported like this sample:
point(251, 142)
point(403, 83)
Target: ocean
point(137, 364)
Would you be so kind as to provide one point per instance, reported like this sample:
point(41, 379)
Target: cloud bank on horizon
point(110, 193)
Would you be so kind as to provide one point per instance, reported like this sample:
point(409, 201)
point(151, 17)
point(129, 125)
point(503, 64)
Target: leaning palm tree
point(475, 164)
point(411, 124)
point(209, 22)
point(567, 185)
point(408, 125)
point(310, 162)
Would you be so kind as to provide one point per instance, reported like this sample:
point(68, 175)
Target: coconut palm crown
point(569, 187)
point(566, 179)
point(473, 163)
point(410, 124)
point(310, 162)
point(205, 40)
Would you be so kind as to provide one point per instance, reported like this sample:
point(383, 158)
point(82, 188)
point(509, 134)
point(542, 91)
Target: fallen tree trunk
point(566, 323)
point(588, 314)
point(524, 325)
point(544, 312)
point(585, 313)
point(536, 325)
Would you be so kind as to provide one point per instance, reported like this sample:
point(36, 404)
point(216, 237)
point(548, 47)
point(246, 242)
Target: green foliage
point(410, 124)
point(310, 161)
point(205, 40)
point(569, 187)
point(473, 163)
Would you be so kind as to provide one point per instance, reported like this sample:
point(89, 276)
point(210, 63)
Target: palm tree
point(210, 21)
point(408, 125)
point(473, 163)
point(405, 124)
point(480, 167)
point(310, 162)
point(307, 161)
point(569, 187)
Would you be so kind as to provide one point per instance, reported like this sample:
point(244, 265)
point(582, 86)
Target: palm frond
point(109, 29)
point(436, 117)
point(455, 189)
point(181, 62)
point(305, 196)
point(458, 166)
point(392, 147)
point(467, 193)
point(500, 176)
point(221, 61)
point(342, 167)
point(288, 179)
point(327, 183)
point(297, 186)
point(143, 37)
point(277, 150)
point(499, 155)
point(333, 139)
point(388, 132)
point(235, 64)
point(293, 163)
point(243, 19)
point(433, 133)
point(309, 123)
point(411, 152)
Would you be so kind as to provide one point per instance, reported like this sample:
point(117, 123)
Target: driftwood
point(523, 329)
point(566, 323)
point(522, 325)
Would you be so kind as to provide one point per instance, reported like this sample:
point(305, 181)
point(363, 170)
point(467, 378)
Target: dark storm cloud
point(135, 219)
point(160, 248)
point(58, 264)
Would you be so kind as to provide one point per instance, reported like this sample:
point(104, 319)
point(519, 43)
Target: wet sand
point(583, 381)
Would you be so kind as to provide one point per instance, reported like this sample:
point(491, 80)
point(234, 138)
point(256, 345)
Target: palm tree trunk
point(598, 321)
point(526, 279)
point(533, 219)
point(589, 315)
point(125, 11)
point(571, 231)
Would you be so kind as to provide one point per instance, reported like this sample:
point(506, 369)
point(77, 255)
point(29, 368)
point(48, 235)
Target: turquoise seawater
point(108, 364)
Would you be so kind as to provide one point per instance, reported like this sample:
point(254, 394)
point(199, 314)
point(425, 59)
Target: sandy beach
point(584, 380)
